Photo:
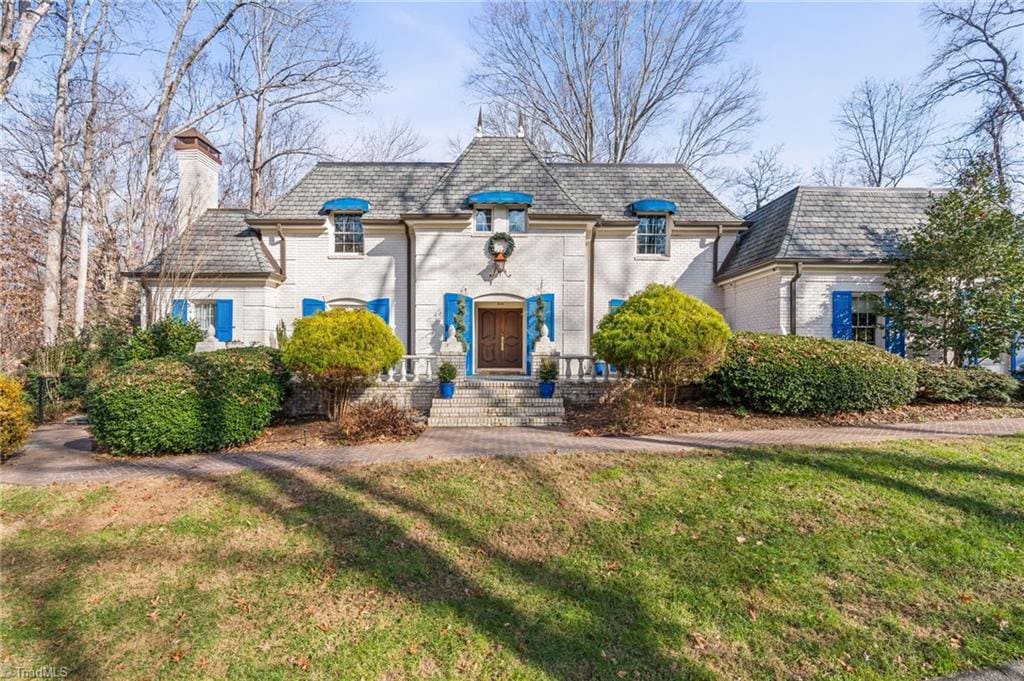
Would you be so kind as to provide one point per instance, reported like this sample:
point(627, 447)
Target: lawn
point(902, 560)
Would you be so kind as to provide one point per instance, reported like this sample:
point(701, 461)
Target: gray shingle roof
point(494, 164)
point(391, 188)
point(607, 190)
point(844, 224)
point(220, 242)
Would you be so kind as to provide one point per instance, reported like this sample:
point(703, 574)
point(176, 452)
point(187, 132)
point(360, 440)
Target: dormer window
point(348, 233)
point(516, 220)
point(651, 235)
point(483, 220)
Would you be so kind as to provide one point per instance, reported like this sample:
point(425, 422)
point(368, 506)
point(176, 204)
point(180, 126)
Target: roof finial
point(520, 126)
point(480, 122)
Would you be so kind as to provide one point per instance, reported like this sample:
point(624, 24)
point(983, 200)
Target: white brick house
point(409, 240)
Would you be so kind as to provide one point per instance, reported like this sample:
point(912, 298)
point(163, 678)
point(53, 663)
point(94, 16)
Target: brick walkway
point(61, 453)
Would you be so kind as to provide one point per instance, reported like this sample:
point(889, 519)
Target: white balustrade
point(579, 368)
point(412, 369)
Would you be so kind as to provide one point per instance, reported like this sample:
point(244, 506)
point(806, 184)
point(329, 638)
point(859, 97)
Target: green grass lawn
point(903, 560)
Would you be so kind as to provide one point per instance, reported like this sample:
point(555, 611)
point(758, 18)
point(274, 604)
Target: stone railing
point(581, 368)
point(413, 369)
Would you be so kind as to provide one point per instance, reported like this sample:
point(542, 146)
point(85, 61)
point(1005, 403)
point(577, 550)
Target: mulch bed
point(691, 417)
point(306, 433)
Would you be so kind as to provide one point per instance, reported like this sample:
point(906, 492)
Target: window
point(650, 235)
point(516, 220)
point(348, 233)
point(206, 315)
point(483, 220)
point(865, 321)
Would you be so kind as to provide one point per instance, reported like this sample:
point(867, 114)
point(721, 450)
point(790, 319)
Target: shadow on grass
point(616, 625)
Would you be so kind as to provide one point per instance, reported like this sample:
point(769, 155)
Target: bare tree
point(79, 30)
point(274, 73)
point(597, 76)
point(395, 141)
point(996, 134)
point(18, 22)
point(719, 122)
point(762, 179)
point(884, 130)
point(979, 53)
point(834, 171)
point(181, 56)
point(22, 243)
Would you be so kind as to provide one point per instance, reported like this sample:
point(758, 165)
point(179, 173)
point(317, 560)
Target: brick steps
point(489, 402)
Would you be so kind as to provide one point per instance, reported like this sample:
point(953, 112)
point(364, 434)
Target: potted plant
point(548, 374)
point(446, 373)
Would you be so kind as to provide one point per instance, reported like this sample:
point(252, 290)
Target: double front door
point(500, 334)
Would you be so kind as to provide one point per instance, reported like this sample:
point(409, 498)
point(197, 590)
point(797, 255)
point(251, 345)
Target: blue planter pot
point(447, 390)
point(547, 389)
point(599, 368)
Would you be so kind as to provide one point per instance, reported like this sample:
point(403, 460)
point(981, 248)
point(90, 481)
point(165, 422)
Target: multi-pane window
point(516, 220)
point(651, 235)
point(483, 220)
point(348, 233)
point(865, 321)
point(205, 314)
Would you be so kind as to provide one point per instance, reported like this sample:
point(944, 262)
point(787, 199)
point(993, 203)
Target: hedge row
point(799, 375)
point(200, 402)
point(939, 383)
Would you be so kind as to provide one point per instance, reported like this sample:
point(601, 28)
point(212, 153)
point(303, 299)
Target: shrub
point(447, 372)
point(169, 337)
point(548, 370)
point(339, 351)
point(240, 391)
point(15, 417)
point(147, 407)
point(379, 420)
point(941, 383)
point(664, 336)
point(202, 402)
point(798, 375)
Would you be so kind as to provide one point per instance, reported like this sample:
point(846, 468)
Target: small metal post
point(40, 399)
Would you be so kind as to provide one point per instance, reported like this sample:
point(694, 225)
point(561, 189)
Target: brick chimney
point(198, 169)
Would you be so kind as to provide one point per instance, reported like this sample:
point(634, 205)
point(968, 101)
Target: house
point(500, 232)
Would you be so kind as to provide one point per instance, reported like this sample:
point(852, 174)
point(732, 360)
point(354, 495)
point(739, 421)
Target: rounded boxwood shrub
point(15, 416)
point(941, 383)
point(799, 375)
point(201, 402)
point(147, 407)
point(339, 351)
point(663, 335)
point(240, 391)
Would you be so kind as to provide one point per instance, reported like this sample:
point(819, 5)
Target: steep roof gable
point(494, 164)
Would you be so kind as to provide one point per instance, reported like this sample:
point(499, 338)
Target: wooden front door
point(501, 339)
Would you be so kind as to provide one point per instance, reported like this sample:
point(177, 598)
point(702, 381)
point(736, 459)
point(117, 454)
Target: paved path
point(61, 453)
point(1013, 671)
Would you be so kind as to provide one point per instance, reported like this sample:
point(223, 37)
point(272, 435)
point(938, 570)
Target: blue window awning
point(348, 204)
point(501, 198)
point(653, 206)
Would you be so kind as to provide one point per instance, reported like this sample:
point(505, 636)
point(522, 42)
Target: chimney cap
point(193, 139)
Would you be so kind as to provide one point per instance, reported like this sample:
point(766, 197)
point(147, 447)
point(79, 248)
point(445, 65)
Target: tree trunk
point(88, 190)
point(58, 187)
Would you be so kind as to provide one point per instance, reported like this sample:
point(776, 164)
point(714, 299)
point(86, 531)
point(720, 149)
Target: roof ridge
point(791, 224)
point(536, 156)
point(445, 175)
point(711, 194)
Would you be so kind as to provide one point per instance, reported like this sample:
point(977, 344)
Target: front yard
point(896, 560)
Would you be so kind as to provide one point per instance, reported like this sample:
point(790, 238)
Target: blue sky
point(810, 56)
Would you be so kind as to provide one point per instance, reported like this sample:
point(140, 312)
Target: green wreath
point(510, 243)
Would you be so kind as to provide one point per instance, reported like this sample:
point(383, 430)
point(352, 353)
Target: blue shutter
point(224, 320)
point(179, 309)
point(450, 307)
point(380, 307)
point(842, 315)
point(531, 331)
point(895, 339)
point(614, 304)
point(310, 306)
point(1017, 354)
